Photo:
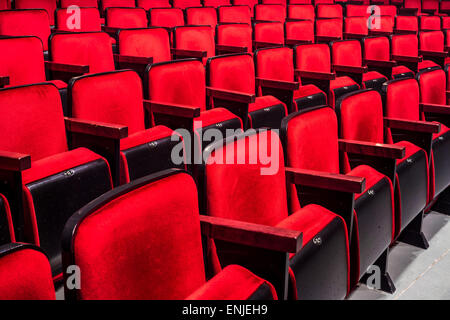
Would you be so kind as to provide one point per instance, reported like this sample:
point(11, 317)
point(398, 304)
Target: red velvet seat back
point(270, 12)
point(347, 53)
point(32, 121)
point(377, 48)
point(313, 57)
point(430, 5)
point(308, 149)
point(409, 23)
point(202, 16)
point(388, 10)
point(386, 24)
point(275, 63)
point(250, 3)
point(413, 4)
point(430, 23)
point(361, 117)
point(405, 45)
point(282, 2)
point(26, 23)
point(357, 11)
point(199, 38)
point(300, 30)
point(235, 34)
point(5, 4)
point(237, 189)
point(183, 4)
point(144, 244)
point(400, 103)
point(114, 97)
point(25, 274)
point(432, 84)
point(126, 18)
point(22, 60)
point(149, 4)
point(48, 5)
point(444, 5)
point(329, 11)
point(180, 82)
point(89, 20)
point(80, 3)
point(272, 32)
point(329, 27)
point(105, 4)
point(216, 3)
point(152, 42)
point(304, 12)
point(291, 2)
point(431, 41)
point(166, 17)
point(356, 25)
point(235, 14)
point(90, 48)
point(232, 72)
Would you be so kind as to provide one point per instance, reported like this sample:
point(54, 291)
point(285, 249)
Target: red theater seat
point(27, 22)
point(329, 11)
point(276, 76)
point(234, 14)
point(183, 4)
point(166, 17)
point(5, 4)
point(79, 3)
point(313, 66)
point(268, 34)
point(154, 257)
point(55, 179)
point(301, 12)
point(329, 29)
point(405, 50)
point(203, 16)
point(355, 27)
point(250, 3)
point(411, 175)
point(150, 4)
point(431, 47)
point(406, 25)
point(123, 18)
point(6, 224)
point(373, 215)
point(25, 273)
point(267, 204)
point(237, 73)
point(270, 12)
point(235, 35)
point(299, 31)
point(105, 4)
point(430, 23)
point(89, 20)
point(376, 55)
point(48, 5)
point(216, 3)
point(116, 98)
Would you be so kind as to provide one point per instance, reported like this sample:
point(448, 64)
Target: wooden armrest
point(372, 149)
point(230, 95)
point(188, 53)
point(293, 42)
point(14, 161)
point(4, 81)
point(380, 63)
point(277, 84)
point(435, 108)
point(317, 179)
point(99, 129)
point(437, 54)
point(172, 109)
point(418, 126)
point(349, 35)
point(64, 67)
point(231, 49)
point(406, 58)
point(251, 234)
point(326, 38)
point(132, 59)
point(349, 69)
point(315, 75)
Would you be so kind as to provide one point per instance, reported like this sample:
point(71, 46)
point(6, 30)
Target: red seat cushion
point(400, 69)
point(372, 177)
point(372, 75)
point(410, 150)
point(264, 102)
point(340, 82)
point(232, 283)
point(306, 90)
point(145, 136)
point(213, 116)
point(427, 64)
point(58, 163)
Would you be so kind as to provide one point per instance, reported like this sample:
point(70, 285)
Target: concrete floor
point(417, 273)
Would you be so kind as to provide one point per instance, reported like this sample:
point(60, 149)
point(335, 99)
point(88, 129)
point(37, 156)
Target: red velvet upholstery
point(432, 87)
point(446, 22)
point(270, 12)
point(329, 11)
point(235, 14)
point(80, 3)
point(166, 17)
point(26, 23)
point(90, 18)
point(409, 23)
point(149, 4)
point(235, 34)
point(48, 5)
point(329, 27)
point(431, 41)
point(347, 53)
point(386, 24)
point(202, 16)
point(405, 45)
point(377, 48)
point(430, 23)
point(388, 10)
point(250, 3)
point(401, 105)
point(183, 4)
point(300, 30)
point(104, 4)
point(152, 42)
point(90, 48)
point(216, 3)
point(357, 11)
point(304, 12)
point(25, 275)
point(5, 4)
point(198, 38)
point(315, 57)
point(272, 32)
point(356, 25)
point(126, 18)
